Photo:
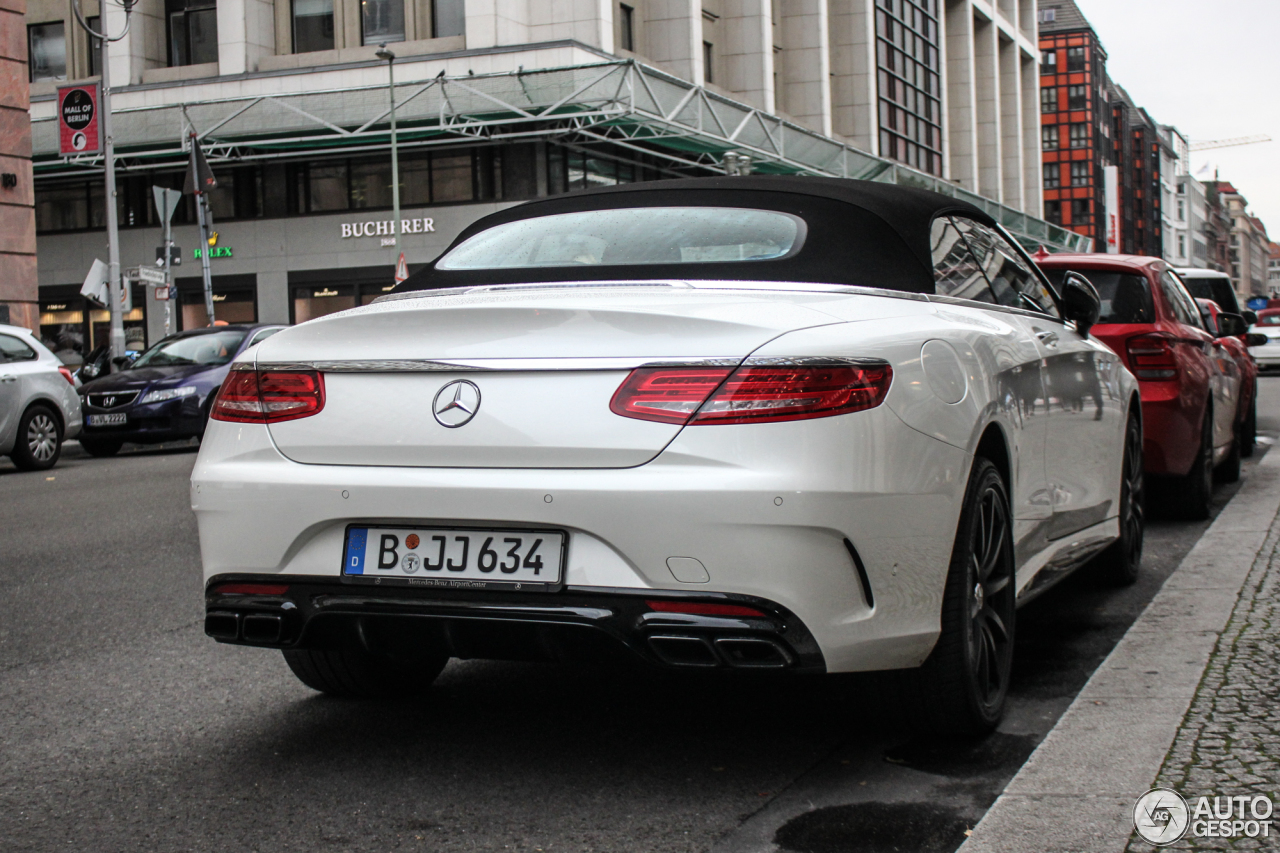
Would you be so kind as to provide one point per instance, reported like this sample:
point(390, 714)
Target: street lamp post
point(109, 165)
point(390, 57)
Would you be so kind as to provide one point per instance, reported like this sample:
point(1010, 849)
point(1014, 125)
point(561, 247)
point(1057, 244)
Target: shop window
point(371, 183)
point(1052, 176)
point(381, 21)
point(448, 18)
point(238, 306)
point(451, 177)
point(47, 51)
point(1080, 174)
point(62, 207)
point(626, 27)
point(1075, 59)
point(1077, 97)
point(1049, 137)
point(327, 186)
point(318, 300)
point(193, 31)
point(312, 25)
point(62, 330)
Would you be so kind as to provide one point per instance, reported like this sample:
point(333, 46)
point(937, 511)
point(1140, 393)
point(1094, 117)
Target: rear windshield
point(1125, 298)
point(631, 236)
point(1217, 289)
point(212, 349)
point(1269, 319)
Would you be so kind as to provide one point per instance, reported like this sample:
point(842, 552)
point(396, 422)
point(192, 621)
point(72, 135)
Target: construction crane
point(1229, 143)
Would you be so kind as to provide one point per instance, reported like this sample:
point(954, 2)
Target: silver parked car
point(39, 406)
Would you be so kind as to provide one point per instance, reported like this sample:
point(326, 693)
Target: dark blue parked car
point(165, 394)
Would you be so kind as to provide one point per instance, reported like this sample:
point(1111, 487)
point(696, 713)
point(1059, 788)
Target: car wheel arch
point(51, 405)
point(993, 445)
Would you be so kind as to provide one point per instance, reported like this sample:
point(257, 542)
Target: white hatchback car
point(757, 423)
point(39, 406)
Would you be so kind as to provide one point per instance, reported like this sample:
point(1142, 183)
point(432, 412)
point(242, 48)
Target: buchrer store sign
point(382, 227)
point(78, 120)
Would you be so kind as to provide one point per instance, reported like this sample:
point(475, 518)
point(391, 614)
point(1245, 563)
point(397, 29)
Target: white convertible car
point(753, 422)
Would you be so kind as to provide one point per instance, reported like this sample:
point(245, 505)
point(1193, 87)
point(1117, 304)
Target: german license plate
point(108, 420)
point(456, 557)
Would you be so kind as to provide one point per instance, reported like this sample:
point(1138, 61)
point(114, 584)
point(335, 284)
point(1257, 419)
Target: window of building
point(47, 51)
point(381, 21)
point(1182, 207)
point(95, 46)
point(1049, 137)
point(1079, 133)
point(448, 18)
point(193, 31)
point(1049, 99)
point(1053, 211)
point(1052, 176)
point(1182, 245)
point(1077, 97)
point(1075, 59)
point(1048, 61)
point(1048, 16)
point(312, 25)
point(1080, 214)
point(708, 62)
point(1080, 174)
point(908, 83)
point(626, 27)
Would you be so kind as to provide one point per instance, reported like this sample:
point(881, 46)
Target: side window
point(1183, 308)
point(1012, 279)
point(955, 272)
point(262, 336)
point(12, 349)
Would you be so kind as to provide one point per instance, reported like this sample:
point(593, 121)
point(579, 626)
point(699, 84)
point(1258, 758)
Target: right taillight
point(753, 393)
point(1151, 356)
point(268, 396)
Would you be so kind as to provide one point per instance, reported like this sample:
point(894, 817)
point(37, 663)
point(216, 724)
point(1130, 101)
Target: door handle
point(1047, 338)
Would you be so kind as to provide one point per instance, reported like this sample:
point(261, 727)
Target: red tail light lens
point(698, 608)
point(269, 396)
point(66, 374)
point(750, 394)
point(1151, 356)
point(667, 395)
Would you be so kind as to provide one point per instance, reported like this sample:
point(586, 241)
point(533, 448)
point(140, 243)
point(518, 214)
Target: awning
point(623, 103)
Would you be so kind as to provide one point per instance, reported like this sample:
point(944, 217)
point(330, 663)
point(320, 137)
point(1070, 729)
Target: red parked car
point(1232, 335)
point(1189, 404)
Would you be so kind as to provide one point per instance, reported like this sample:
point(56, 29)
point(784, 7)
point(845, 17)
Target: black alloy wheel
point(1118, 565)
point(961, 688)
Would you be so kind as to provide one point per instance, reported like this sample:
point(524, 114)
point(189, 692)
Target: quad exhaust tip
point(737, 652)
point(251, 627)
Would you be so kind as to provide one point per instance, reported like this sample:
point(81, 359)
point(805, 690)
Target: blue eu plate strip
point(356, 538)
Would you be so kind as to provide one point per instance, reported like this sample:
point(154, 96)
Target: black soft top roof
point(859, 232)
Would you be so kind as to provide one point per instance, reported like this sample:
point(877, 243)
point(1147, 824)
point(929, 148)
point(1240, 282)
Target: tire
point(1190, 494)
point(962, 686)
point(1249, 429)
point(38, 443)
point(363, 675)
point(101, 446)
point(1118, 565)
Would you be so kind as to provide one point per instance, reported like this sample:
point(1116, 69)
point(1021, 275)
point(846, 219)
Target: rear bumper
point(1267, 356)
point(1170, 428)
point(575, 624)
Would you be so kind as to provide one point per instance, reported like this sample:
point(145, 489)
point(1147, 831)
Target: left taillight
point(753, 393)
point(268, 396)
point(66, 374)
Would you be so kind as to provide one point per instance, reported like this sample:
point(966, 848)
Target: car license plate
point(455, 557)
point(108, 420)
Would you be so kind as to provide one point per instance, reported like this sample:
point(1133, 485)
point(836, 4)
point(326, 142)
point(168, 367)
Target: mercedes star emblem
point(456, 403)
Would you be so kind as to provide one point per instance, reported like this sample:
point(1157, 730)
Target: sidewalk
point(1189, 699)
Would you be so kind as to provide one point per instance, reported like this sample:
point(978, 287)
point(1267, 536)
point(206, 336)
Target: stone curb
point(1076, 792)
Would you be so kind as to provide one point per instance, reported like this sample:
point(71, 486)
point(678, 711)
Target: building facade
point(1248, 248)
point(17, 220)
point(499, 101)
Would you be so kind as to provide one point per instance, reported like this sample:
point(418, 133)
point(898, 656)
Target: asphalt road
point(122, 727)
